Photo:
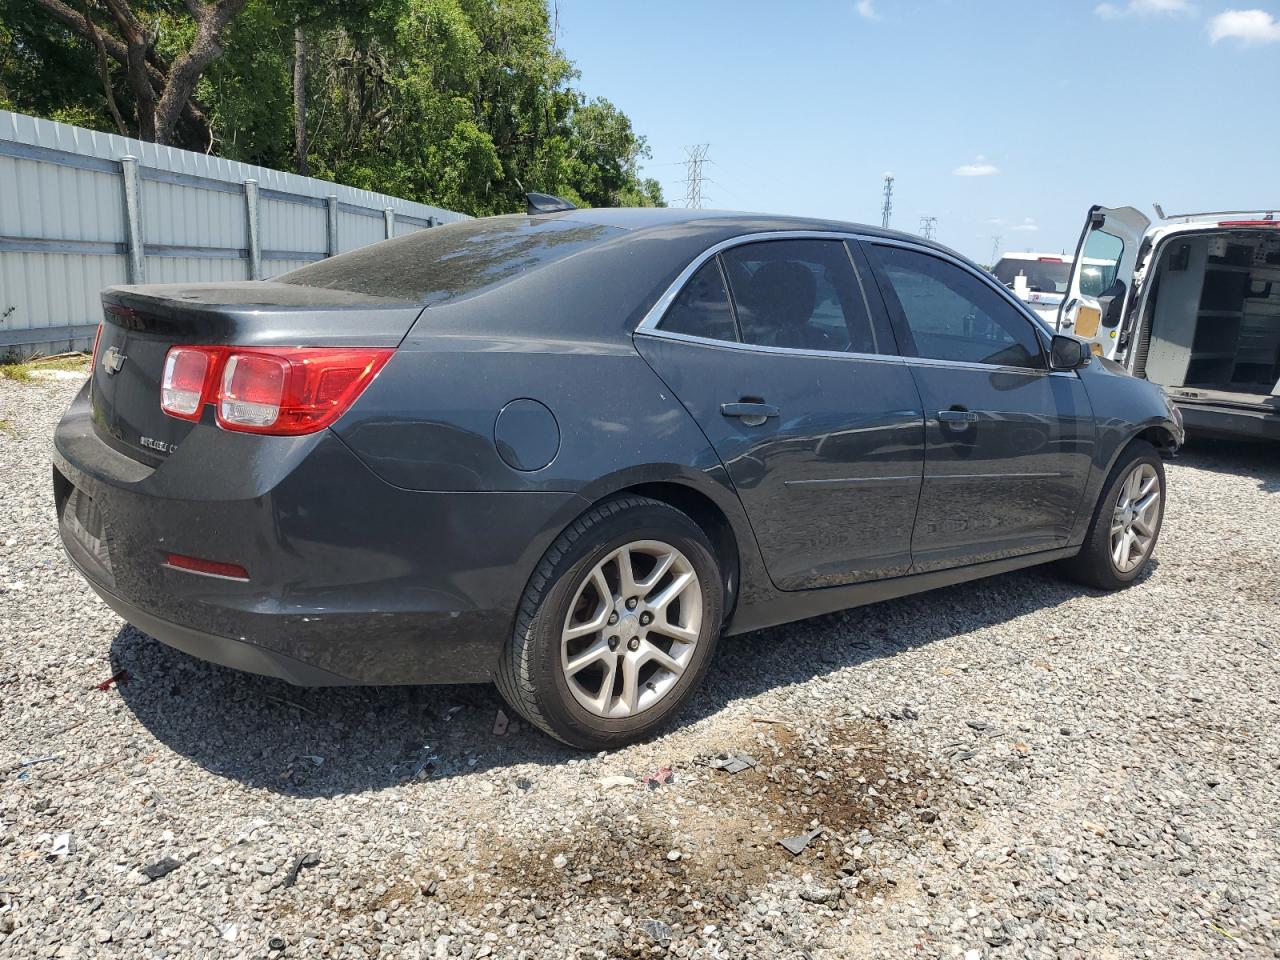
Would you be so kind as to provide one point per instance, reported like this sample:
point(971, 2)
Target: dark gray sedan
point(567, 451)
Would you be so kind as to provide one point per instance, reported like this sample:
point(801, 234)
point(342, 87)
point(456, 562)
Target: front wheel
point(1126, 522)
point(617, 625)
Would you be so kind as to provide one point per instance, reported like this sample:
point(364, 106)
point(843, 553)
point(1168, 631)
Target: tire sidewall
point(573, 722)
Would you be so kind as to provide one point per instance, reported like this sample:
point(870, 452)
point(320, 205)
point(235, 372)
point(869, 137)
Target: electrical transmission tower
point(887, 210)
point(928, 227)
point(695, 157)
point(995, 248)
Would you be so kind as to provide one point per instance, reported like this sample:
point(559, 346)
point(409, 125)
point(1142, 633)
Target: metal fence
point(81, 210)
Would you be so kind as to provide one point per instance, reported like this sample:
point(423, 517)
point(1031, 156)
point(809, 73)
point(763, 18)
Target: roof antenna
point(546, 203)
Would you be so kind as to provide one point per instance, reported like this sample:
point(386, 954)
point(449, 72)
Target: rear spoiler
point(1261, 214)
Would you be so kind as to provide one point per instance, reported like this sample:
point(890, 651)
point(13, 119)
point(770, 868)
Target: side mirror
point(1069, 353)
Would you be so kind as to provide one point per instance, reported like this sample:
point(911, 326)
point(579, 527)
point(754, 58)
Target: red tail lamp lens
point(210, 568)
point(294, 390)
point(186, 372)
point(283, 391)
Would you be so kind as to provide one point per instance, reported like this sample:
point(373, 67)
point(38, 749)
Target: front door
point(811, 410)
point(1101, 284)
point(1008, 443)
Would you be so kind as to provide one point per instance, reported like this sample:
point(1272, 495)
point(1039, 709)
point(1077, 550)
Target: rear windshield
point(452, 261)
point(1043, 276)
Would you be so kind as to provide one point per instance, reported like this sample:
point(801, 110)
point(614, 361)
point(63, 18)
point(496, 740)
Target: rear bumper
point(1229, 421)
point(351, 580)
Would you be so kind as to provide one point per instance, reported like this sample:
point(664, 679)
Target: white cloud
point(866, 9)
point(1028, 225)
point(1142, 8)
point(979, 168)
point(1248, 26)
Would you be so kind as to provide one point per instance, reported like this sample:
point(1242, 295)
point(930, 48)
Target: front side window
point(702, 308)
point(801, 294)
point(952, 315)
point(1100, 263)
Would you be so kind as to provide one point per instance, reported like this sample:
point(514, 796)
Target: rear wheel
point(617, 625)
point(1126, 522)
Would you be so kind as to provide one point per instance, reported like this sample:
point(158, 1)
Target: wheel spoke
point(630, 685)
point(676, 632)
point(1118, 550)
point(655, 576)
point(656, 654)
point(604, 695)
point(598, 622)
point(626, 574)
point(593, 654)
point(677, 586)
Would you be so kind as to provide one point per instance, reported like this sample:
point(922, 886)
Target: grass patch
point(7, 427)
point(22, 372)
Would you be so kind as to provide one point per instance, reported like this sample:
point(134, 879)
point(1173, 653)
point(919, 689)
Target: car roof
point(729, 222)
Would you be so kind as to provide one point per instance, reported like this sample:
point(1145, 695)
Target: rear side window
point(702, 309)
point(952, 315)
point(801, 294)
point(453, 261)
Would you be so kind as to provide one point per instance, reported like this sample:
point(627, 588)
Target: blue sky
point(1057, 104)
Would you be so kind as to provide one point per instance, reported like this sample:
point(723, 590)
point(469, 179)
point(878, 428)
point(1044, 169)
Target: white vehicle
point(1037, 279)
point(1192, 304)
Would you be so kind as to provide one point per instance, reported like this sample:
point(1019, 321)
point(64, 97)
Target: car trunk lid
point(140, 324)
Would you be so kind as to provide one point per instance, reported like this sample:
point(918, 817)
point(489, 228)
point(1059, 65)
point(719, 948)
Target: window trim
point(649, 325)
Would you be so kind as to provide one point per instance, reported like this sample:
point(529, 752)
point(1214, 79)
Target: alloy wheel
point(1135, 520)
point(631, 629)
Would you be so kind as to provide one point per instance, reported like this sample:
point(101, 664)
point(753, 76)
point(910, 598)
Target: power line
point(695, 157)
point(928, 227)
point(886, 212)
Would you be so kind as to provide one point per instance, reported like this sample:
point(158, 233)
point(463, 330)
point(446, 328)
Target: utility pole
point(886, 212)
point(695, 157)
point(928, 227)
point(995, 248)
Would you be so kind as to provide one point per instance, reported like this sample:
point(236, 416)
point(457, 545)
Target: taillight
point(283, 391)
point(186, 372)
point(1249, 223)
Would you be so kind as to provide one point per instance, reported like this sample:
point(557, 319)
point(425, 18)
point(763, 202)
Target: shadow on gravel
point(265, 733)
point(1258, 459)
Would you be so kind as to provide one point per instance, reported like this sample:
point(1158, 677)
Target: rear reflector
point(186, 371)
point(283, 391)
point(208, 568)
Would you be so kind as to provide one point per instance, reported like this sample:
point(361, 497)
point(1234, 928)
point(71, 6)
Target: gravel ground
point(1013, 768)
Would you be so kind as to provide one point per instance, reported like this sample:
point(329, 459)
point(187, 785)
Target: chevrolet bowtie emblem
point(112, 360)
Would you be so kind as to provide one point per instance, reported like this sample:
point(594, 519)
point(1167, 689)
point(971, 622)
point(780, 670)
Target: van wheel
point(616, 627)
point(1126, 522)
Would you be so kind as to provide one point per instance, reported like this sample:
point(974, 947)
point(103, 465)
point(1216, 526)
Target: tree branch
point(186, 70)
point(104, 69)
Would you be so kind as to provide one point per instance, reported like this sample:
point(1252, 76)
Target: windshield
point(449, 262)
point(1043, 276)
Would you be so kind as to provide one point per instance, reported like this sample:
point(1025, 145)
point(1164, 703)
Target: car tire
point(613, 701)
point(1096, 564)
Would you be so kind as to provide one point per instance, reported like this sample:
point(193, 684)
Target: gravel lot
point(1013, 768)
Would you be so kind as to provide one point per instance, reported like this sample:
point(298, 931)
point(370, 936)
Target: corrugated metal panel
point(64, 228)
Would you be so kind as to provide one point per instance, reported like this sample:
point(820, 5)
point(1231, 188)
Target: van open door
point(1102, 276)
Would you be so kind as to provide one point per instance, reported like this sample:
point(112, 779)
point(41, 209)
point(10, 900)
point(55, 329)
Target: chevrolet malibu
point(567, 451)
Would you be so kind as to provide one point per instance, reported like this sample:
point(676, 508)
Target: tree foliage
point(452, 102)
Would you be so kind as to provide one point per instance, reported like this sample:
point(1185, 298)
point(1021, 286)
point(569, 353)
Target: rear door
point(1101, 281)
point(802, 393)
point(1008, 442)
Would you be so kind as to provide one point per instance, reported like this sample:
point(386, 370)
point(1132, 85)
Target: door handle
point(752, 412)
point(957, 416)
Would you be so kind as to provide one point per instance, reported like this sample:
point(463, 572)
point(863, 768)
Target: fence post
point(133, 219)
point(431, 221)
point(332, 209)
point(251, 220)
point(389, 220)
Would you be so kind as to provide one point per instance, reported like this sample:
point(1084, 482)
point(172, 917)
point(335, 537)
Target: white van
point(1037, 279)
point(1192, 304)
